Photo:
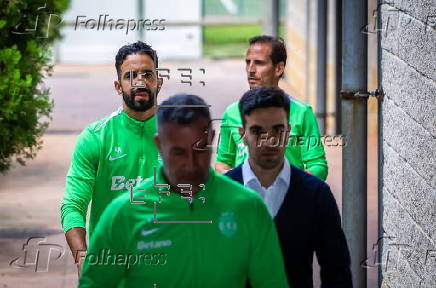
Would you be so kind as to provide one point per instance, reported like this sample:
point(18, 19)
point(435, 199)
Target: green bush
point(27, 29)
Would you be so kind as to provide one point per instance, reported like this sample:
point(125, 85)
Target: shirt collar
point(161, 179)
point(284, 175)
point(149, 124)
point(248, 174)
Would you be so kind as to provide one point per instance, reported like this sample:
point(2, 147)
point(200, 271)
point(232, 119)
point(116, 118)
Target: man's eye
point(201, 145)
point(131, 74)
point(279, 131)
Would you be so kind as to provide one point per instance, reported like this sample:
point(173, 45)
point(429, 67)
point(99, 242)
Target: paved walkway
point(31, 195)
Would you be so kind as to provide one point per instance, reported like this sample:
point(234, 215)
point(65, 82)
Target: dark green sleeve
point(80, 181)
point(313, 155)
point(266, 268)
point(109, 237)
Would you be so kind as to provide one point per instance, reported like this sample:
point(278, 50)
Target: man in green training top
point(265, 64)
point(117, 152)
point(187, 226)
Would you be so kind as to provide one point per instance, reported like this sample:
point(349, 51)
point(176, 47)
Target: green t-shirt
point(240, 243)
point(304, 150)
point(111, 156)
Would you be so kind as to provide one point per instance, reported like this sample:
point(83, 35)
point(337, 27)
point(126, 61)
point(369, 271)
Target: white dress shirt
point(274, 195)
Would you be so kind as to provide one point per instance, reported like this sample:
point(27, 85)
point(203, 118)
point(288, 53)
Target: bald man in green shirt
point(265, 64)
point(188, 226)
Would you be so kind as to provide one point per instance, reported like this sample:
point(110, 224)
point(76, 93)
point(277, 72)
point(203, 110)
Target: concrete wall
point(408, 73)
point(301, 68)
point(301, 29)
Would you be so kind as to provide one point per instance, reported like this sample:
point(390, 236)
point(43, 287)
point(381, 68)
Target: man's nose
point(190, 163)
point(273, 141)
point(268, 140)
point(250, 67)
point(140, 81)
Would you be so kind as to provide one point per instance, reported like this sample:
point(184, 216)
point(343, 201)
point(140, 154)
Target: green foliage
point(27, 29)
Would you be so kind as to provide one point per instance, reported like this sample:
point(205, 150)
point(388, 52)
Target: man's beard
point(139, 106)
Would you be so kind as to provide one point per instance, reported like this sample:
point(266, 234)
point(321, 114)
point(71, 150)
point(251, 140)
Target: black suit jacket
point(309, 222)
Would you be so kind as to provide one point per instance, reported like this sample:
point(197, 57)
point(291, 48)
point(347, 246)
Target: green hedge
point(27, 29)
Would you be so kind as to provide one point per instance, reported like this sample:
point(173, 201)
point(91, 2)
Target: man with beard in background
point(115, 153)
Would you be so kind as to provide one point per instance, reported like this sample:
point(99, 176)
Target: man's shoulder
point(303, 181)
point(232, 113)
point(297, 104)
point(223, 179)
point(101, 124)
point(234, 189)
point(234, 107)
point(235, 174)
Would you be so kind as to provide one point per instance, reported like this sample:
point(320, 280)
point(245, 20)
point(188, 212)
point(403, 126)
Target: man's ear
point(280, 69)
point(118, 88)
point(241, 131)
point(205, 142)
point(211, 136)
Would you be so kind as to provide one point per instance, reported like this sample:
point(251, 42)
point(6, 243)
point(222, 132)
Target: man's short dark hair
point(134, 48)
point(278, 47)
point(181, 110)
point(263, 97)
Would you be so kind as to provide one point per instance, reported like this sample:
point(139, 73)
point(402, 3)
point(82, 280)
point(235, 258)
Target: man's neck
point(140, 116)
point(275, 83)
point(266, 177)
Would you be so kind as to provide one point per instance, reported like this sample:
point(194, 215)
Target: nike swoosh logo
point(115, 158)
point(148, 232)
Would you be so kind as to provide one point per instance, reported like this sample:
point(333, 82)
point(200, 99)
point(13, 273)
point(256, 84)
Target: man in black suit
point(304, 209)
